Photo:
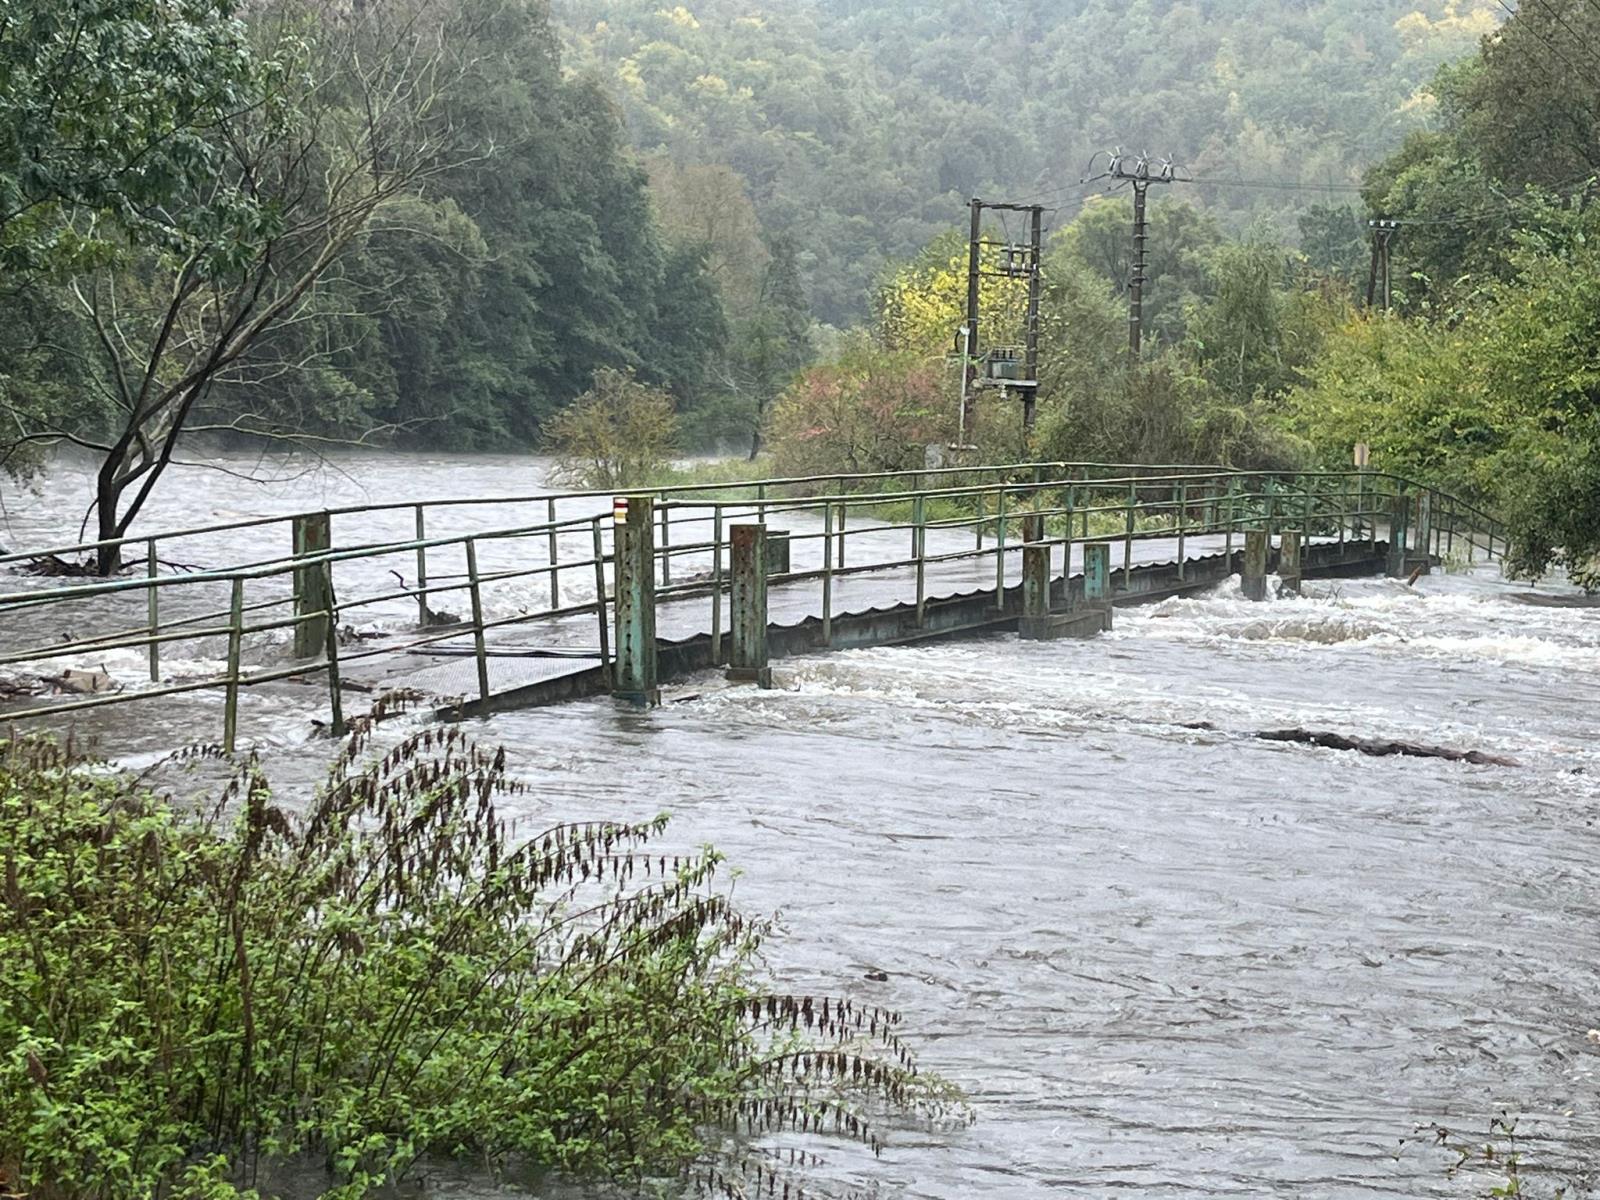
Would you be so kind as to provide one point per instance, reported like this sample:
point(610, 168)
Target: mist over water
point(1158, 957)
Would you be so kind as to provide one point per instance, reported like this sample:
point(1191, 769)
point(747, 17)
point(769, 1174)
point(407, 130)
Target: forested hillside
point(860, 127)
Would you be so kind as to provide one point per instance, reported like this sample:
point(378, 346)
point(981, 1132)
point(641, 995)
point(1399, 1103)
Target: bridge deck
point(527, 659)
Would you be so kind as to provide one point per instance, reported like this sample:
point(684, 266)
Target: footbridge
point(233, 629)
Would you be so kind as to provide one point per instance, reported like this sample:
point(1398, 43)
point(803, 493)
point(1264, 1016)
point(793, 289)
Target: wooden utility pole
point(1383, 233)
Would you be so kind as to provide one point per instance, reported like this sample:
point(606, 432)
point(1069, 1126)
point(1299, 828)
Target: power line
point(1275, 185)
point(1556, 50)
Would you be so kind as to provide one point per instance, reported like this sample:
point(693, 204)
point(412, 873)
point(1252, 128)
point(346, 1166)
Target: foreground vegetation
point(194, 996)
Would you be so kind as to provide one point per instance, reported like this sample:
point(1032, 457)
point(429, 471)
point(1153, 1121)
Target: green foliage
point(107, 124)
point(619, 433)
point(192, 995)
point(862, 127)
point(1503, 405)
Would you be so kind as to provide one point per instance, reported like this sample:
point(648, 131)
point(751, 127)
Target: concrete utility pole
point(1383, 233)
point(1141, 172)
point(999, 366)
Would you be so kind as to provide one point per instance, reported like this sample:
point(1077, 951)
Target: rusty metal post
point(1425, 523)
point(748, 607)
point(553, 554)
point(636, 678)
point(479, 649)
point(335, 683)
point(1127, 545)
point(919, 547)
point(827, 572)
point(313, 535)
point(230, 712)
point(666, 543)
point(1290, 545)
point(600, 598)
point(1000, 549)
point(1183, 520)
point(1254, 579)
point(422, 569)
point(716, 584)
point(153, 610)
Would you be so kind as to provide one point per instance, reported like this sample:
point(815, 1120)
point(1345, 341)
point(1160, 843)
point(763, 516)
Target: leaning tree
point(343, 124)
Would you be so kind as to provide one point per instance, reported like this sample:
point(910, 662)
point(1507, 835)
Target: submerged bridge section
point(595, 593)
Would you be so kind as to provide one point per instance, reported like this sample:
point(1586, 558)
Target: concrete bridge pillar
point(1256, 542)
point(748, 661)
point(635, 676)
point(1290, 547)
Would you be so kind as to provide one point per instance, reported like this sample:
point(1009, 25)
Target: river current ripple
point(1164, 959)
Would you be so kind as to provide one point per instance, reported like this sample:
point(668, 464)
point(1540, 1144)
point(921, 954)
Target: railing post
point(978, 527)
point(1127, 545)
point(919, 545)
point(600, 598)
point(716, 584)
point(1000, 549)
point(1289, 569)
point(666, 543)
point(1183, 517)
point(553, 554)
point(153, 609)
point(230, 711)
point(1227, 544)
point(844, 517)
point(748, 621)
point(335, 683)
point(1254, 579)
point(422, 569)
point(480, 650)
point(313, 535)
point(1425, 522)
point(635, 671)
point(827, 573)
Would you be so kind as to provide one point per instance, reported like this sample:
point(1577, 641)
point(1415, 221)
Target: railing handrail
point(1175, 493)
point(166, 535)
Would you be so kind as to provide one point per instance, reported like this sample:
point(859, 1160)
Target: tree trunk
point(107, 559)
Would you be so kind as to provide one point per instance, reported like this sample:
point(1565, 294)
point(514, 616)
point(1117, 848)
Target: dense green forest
point(431, 222)
point(861, 127)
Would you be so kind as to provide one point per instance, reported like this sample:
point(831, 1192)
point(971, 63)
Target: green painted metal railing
point(294, 597)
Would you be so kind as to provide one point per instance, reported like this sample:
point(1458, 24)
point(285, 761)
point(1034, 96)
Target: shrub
point(616, 434)
point(873, 410)
point(191, 995)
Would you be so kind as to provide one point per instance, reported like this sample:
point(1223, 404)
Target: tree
point(616, 434)
point(776, 342)
point(347, 138)
point(108, 127)
point(1181, 237)
point(872, 410)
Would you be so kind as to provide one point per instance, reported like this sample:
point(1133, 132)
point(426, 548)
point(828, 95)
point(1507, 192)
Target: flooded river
point(1159, 958)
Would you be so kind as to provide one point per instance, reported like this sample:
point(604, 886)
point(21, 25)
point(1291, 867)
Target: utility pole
point(1141, 172)
point(1383, 233)
point(1010, 369)
point(969, 349)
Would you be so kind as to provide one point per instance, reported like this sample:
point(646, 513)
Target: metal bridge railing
point(294, 614)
